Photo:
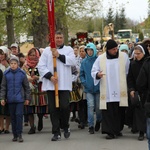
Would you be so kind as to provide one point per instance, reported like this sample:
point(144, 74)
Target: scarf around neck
point(31, 63)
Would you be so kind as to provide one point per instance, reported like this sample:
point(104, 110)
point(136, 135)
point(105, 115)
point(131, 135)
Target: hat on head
point(4, 49)
point(111, 44)
point(14, 45)
point(124, 47)
point(14, 58)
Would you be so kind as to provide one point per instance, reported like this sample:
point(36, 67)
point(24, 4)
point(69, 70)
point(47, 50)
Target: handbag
point(135, 101)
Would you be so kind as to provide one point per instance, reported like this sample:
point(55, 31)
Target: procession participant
point(4, 111)
point(124, 48)
point(110, 69)
point(38, 104)
point(83, 102)
point(22, 59)
point(139, 118)
point(143, 84)
point(75, 97)
point(65, 59)
point(146, 43)
point(15, 91)
point(14, 49)
point(92, 91)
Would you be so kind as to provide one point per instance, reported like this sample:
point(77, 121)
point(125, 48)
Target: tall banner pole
point(51, 21)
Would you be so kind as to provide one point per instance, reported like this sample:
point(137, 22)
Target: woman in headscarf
point(38, 103)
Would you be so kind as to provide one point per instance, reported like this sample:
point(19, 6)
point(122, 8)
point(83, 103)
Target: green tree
point(141, 36)
point(110, 16)
point(90, 25)
point(30, 16)
point(116, 22)
point(122, 18)
point(147, 20)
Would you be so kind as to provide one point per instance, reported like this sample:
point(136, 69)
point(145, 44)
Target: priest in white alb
point(110, 69)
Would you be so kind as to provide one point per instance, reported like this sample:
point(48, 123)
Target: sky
point(136, 10)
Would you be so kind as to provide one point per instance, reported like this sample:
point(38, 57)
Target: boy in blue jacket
point(15, 91)
point(92, 91)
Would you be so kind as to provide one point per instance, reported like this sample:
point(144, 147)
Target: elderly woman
point(38, 103)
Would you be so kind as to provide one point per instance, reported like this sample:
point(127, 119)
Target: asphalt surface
point(79, 140)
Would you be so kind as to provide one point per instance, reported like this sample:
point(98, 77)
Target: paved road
point(79, 140)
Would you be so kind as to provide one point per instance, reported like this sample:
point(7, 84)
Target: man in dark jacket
point(15, 91)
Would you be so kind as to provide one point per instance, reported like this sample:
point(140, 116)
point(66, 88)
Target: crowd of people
point(103, 87)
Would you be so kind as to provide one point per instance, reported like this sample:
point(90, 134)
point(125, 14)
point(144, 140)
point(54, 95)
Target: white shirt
point(64, 74)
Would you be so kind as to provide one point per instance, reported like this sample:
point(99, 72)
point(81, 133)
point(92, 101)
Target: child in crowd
point(92, 91)
point(15, 91)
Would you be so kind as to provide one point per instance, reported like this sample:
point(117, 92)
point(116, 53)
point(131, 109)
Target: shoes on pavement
point(141, 136)
point(56, 137)
point(15, 138)
point(91, 130)
point(67, 133)
point(1, 131)
point(110, 136)
point(32, 130)
point(20, 139)
point(97, 126)
point(119, 134)
point(81, 126)
point(6, 131)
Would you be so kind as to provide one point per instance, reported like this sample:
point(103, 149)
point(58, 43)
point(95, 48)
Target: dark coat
point(15, 86)
point(139, 118)
point(1, 75)
point(134, 70)
point(143, 80)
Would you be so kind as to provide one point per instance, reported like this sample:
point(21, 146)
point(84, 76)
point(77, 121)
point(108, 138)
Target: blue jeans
point(16, 115)
point(93, 103)
point(148, 132)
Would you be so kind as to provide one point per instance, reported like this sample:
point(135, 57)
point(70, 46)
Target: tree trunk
point(40, 27)
point(10, 23)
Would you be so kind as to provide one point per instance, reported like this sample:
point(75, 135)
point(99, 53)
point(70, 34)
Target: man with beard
point(110, 69)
